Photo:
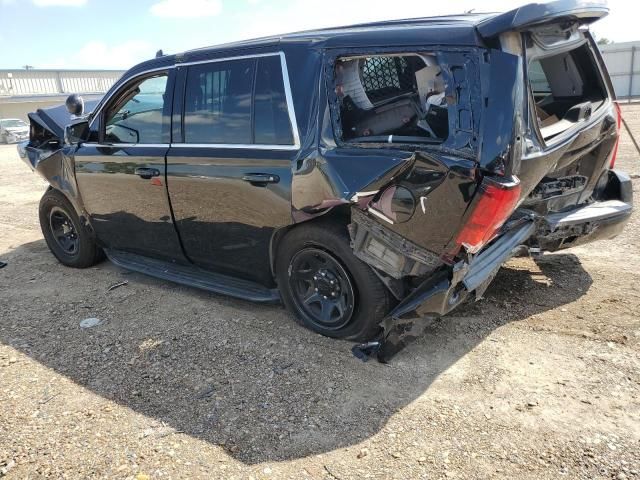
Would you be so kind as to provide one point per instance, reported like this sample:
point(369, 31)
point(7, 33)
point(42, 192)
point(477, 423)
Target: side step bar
point(194, 277)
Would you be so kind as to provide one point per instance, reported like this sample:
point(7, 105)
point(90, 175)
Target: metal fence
point(16, 83)
point(623, 63)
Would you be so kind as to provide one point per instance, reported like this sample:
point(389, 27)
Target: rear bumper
point(443, 292)
point(599, 220)
point(448, 288)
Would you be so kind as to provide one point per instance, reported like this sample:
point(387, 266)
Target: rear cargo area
point(566, 87)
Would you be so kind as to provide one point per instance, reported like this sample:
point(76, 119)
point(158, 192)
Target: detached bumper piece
point(441, 293)
point(599, 220)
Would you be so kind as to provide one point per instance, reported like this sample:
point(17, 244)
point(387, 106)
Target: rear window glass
point(391, 98)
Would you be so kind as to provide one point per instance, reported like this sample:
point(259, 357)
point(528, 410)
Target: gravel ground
point(539, 380)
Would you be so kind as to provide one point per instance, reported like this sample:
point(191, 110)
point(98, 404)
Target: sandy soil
point(539, 380)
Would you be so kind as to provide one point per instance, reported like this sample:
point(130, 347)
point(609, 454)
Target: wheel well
point(336, 216)
point(74, 203)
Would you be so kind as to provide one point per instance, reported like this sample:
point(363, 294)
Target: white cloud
point(187, 8)
point(99, 55)
point(59, 3)
point(263, 19)
point(621, 25)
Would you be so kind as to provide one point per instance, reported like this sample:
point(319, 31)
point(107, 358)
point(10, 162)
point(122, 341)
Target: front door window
point(137, 117)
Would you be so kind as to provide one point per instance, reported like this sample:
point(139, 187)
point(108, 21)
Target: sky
point(117, 34)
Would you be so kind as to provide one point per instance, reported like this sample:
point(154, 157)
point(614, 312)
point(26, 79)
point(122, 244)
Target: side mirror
point(76, 132)
point(75, 104)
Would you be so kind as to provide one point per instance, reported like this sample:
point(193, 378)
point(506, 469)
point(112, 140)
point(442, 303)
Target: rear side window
point(218, 102)
point(392, 99)
point(240, 102)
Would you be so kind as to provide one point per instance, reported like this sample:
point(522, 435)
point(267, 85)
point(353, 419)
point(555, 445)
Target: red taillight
point(614, 153)
point(495, 203)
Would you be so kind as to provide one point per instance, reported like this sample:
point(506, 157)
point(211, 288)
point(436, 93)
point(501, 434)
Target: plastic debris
point(90, 322)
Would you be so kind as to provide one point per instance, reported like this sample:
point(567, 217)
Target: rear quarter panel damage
point(441, 178)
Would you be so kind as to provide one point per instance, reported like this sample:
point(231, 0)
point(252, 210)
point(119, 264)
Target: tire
point(330, 241)
point(3, 139)
point(67, 238)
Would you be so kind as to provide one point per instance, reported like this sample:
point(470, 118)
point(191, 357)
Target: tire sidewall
point(85, 255)
point(368, 310)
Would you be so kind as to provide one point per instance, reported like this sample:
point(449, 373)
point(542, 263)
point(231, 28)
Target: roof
point(456, 30)
point(370, 33)
point(450, 30)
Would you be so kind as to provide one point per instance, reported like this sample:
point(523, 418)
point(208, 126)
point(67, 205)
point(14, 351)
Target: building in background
point(24, 91)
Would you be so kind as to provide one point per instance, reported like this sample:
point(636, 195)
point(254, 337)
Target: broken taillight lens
point(494, 204)
point(614, 152)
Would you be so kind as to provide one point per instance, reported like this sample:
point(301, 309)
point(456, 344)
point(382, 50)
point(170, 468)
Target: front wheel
point(326, 287)
point(67, 238)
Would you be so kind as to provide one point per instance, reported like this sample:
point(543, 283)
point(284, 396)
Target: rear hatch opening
point(566, 87)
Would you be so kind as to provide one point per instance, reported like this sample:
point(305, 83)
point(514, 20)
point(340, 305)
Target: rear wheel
point(326, 287)
point(67, 238)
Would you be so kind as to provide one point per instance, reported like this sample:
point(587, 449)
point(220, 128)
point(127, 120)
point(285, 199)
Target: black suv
point(371, 177)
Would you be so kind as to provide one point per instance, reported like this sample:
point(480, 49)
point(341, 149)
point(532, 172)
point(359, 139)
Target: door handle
point(147, 173)
point(260, 179)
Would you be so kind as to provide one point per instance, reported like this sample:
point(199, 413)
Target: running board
point(194, 277)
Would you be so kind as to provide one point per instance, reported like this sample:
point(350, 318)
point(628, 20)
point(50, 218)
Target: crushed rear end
point(542, 178)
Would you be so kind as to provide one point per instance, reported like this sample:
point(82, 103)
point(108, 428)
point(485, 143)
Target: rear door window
point(218, 102)
point(272, 124)
point(237, 102)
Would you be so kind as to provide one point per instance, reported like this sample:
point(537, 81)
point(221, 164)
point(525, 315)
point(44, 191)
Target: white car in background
point(13, 130)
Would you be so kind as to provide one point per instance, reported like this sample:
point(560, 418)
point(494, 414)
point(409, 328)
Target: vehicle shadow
point(241, 375)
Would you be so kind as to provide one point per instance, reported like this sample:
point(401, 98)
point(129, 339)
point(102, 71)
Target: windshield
point(12, 123)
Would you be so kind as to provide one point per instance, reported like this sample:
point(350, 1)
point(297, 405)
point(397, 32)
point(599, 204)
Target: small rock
point(5, 469)
point(363, 453)
point(621, 476)
point(266, 471)
point(395, 455)
point(13, 360)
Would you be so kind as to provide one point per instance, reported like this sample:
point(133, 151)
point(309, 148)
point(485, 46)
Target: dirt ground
point(539, 380)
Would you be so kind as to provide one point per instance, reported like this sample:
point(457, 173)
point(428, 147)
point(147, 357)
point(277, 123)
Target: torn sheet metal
point(442, 292)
